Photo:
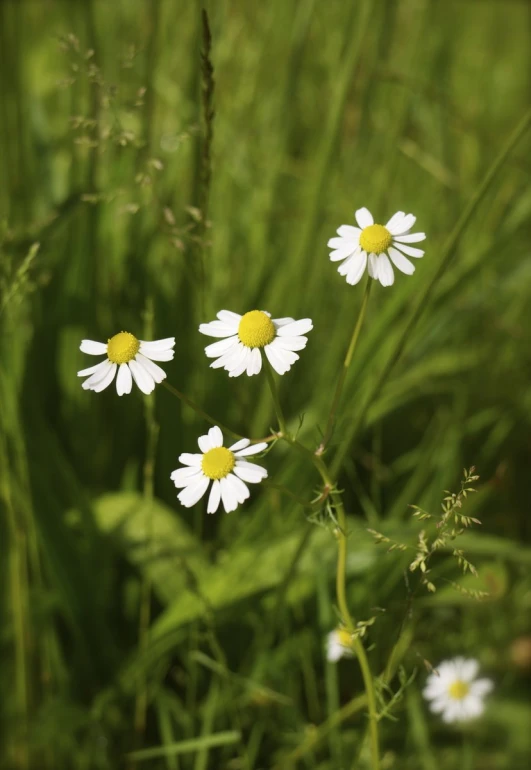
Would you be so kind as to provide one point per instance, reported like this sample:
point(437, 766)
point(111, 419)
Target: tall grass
point(319, 108)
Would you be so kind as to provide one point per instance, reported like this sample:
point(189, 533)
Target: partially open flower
point(132, 358)
point(338, 645)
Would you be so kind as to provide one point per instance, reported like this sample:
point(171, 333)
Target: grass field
point(140, 191)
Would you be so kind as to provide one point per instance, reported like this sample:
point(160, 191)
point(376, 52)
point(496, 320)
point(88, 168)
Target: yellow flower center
point(256, 329)
point(218, 463)
point(375, 239)
point(458, 689)
point(122, 348)
point(344, 638)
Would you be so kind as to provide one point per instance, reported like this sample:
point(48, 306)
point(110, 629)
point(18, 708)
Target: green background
point(320, 108)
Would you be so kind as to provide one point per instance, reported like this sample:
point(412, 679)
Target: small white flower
point(371, 245)
point(338, 645)
point(131, 357)
point(226, 468)
point(454, 690)
point(244, 336)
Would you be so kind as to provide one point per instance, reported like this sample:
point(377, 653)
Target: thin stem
point(349, 623)
point(447, 256)
point(152, 430)
point(276, 400)
point(346, 363)
point(201, 412)
point(212, 420)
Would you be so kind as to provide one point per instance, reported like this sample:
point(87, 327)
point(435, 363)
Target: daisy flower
point(244, 337)
point(372, 246)
point(132, 358)
point(227, 469)
point(455, 692)
point(338, 645)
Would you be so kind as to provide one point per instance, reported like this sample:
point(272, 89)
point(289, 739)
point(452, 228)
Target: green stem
point(276, 400)
point(212, 420)
point(447, 256)
point(341, 592)
point(346, 363)
point(199, 411)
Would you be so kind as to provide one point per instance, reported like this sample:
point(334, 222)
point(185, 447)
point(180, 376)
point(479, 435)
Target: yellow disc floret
point(256, 329)
point(375, 239)
point(122, 348)
point(344, 638)
point(458, 689)
point(218, 463)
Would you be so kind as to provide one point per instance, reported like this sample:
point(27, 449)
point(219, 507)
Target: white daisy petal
point(385, 271)
point(98, 375)
point(158, 355)
point(217, 329)
point(364, 217)
point(241, 444)
point(240, 490)
point(232, 358)
point(395, 221)
point(345, 266)
point(410, 251)
point(254, 362)
point(348, 231)
point(191, 494)
point(204, 443)
point(481, 687)
point(106, 380)
point(279, 358)
point(228, 496)
point(283, 321)
point(472, 707)
point(372, 266)
point(296, 328)
point(243, 363)
point(166, 344)
point(220, 348)
point(342, 243)
point(357, 268)
point(93, 348)
point(214, 497)
point(229, 318)
point(468, 670)
point(249, 472)
point(215, 436)
point(346, 251)
point(142, 377)
point(292, 343)
point(451, 713)
point(401, 262)
point(124, 381)
point(253, 449)
point(191, 459)
point(183, 477)
point(406, 224)
point(153, 369)
point(411, 238)
point(93, 369)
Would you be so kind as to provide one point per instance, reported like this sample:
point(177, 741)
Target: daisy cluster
point(242, 343)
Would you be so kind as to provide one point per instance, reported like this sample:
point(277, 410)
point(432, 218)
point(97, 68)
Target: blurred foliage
point(319, 108)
